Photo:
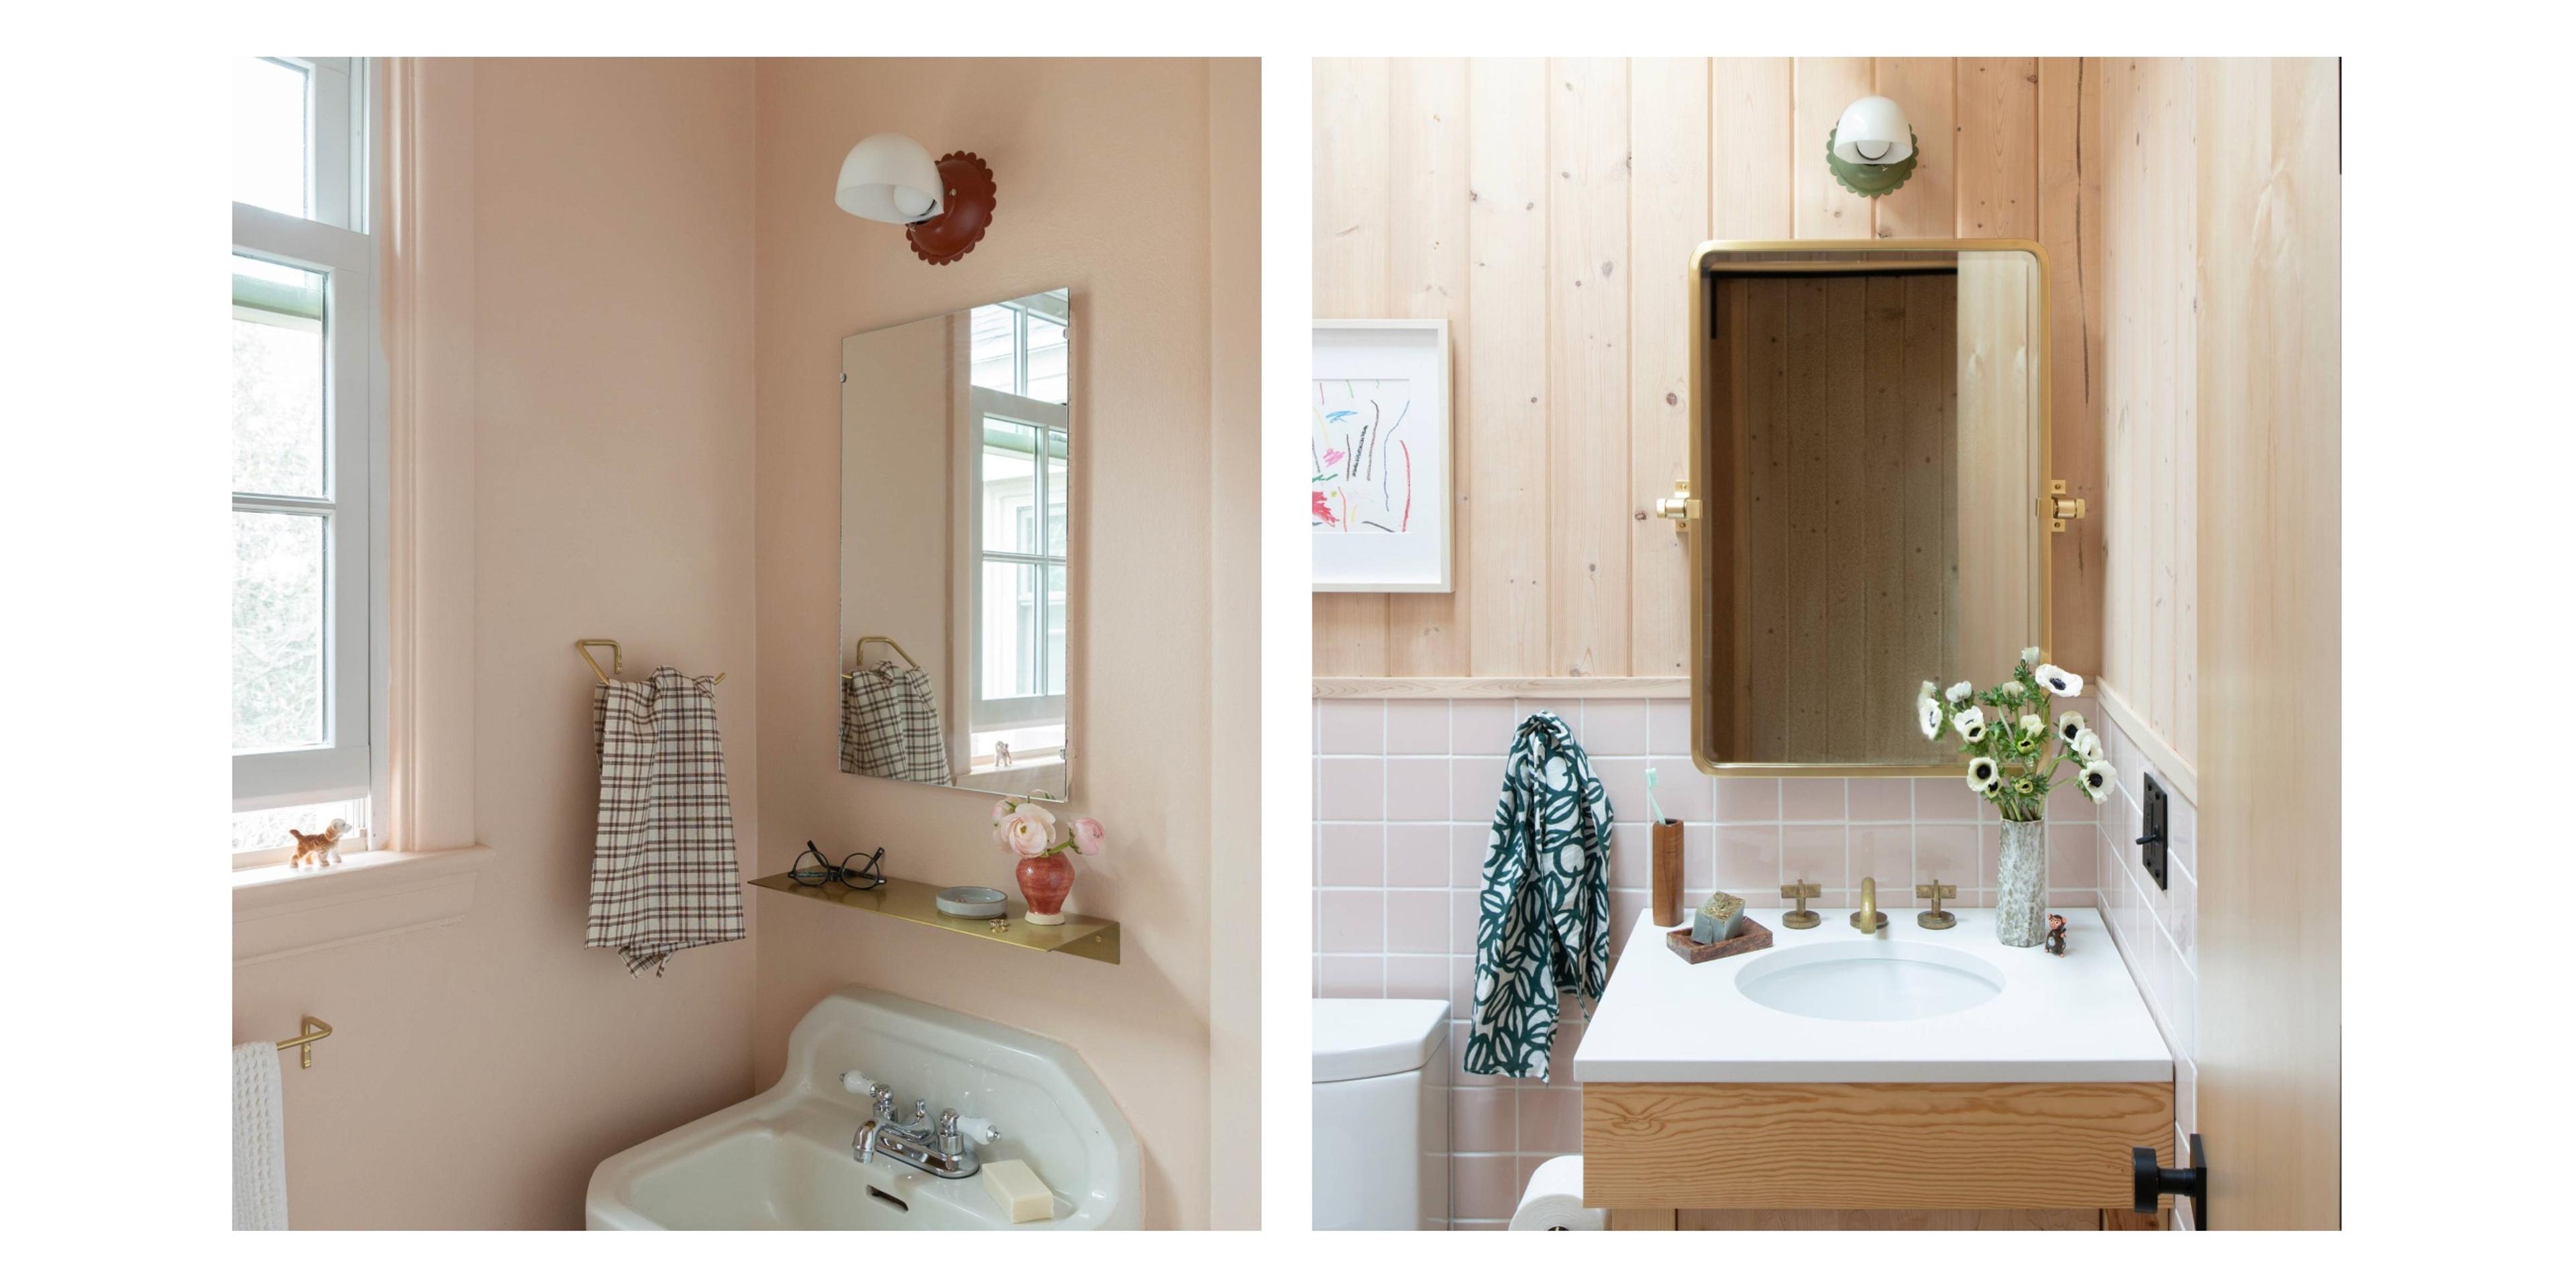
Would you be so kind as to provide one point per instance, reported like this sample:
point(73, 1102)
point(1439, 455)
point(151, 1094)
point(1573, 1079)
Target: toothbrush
point(1651, 806)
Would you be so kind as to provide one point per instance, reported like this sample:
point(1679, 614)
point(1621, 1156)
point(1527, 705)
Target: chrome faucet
point(1869, 920)
point(943, 1147)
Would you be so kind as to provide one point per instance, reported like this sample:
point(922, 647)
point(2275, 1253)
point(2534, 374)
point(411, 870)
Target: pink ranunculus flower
point(1025, 836)
point(1090, 839)
point(1002, 810)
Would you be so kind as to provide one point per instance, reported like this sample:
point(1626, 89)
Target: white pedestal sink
point(781, 1160)
point(1869, 979)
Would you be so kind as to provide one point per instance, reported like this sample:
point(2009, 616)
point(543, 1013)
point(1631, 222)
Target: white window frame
point(1049, 418)
point(336, 244)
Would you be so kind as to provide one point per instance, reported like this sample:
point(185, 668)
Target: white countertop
point(2076, 1018)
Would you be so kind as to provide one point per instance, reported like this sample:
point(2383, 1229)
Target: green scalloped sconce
point(1872, 180)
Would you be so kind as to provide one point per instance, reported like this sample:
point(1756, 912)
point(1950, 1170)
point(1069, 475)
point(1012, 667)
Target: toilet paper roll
point(1554, 1200)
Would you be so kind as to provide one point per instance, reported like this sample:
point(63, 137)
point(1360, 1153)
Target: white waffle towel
point(259, 1138)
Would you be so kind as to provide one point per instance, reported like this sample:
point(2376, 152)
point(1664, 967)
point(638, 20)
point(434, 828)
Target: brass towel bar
point(616, 659)
point(858, 652)
point(314, 1031)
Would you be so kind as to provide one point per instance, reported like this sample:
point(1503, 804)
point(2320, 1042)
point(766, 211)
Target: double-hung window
point(304, 452)
point(1018, 383)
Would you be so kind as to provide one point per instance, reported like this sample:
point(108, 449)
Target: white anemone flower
point(2031, 723)
point(1971, 723)
point(1993, 789)
point(2030, 656)
point(2088, 745)
point(2096, 779)
point(1982, 775)
point(2013, 690)
point(1929, 709)
point(2063, 683)
point(1929, 688)
point(2070, 725)
point(1959, 692)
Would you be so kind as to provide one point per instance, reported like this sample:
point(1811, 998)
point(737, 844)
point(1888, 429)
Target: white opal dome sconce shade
point(944, 205)
point(1872, 149)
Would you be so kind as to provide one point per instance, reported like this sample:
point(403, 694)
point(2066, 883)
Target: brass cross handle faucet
point(1936, 919)
point(1802, 891)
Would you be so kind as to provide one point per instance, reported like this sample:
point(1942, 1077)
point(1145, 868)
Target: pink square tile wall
point(1405, 792)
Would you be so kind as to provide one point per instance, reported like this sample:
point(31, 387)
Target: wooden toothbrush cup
point(1668, 873)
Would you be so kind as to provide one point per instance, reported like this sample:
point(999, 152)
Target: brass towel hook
point(314, 1031)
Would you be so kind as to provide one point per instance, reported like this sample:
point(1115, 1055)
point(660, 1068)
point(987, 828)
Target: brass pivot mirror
point(1869, 459)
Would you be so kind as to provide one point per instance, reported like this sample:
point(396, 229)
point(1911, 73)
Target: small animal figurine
point(1001, 755)
point(2056, 935)
point(321, 848)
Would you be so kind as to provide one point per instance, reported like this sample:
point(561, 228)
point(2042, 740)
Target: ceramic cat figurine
point(322, 848)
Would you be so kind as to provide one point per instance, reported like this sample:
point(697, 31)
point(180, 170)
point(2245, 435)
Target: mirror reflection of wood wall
point(1835, 534)
point(1859, 540)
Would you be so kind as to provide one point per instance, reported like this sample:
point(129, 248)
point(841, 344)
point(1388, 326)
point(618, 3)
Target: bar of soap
point(1017, 1190)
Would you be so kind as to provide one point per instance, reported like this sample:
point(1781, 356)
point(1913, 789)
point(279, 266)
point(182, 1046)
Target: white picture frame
point(1380, 469)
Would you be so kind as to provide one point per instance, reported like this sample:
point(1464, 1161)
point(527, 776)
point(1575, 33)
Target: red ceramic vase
point(1044, 881)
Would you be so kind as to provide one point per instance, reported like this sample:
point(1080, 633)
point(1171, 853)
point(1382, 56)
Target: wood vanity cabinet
point(1870, 1155)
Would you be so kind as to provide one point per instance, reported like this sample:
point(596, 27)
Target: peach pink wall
point(480, 1070)
point(1103, 173)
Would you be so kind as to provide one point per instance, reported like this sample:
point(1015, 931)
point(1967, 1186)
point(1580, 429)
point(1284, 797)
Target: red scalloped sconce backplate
point(967, 211)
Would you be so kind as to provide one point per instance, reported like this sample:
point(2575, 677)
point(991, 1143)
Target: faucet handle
point(1935, 918)
point(859, 1084)
point(979, 1131)
point(1802, 891)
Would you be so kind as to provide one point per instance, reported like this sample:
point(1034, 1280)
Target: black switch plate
point(2151, 845)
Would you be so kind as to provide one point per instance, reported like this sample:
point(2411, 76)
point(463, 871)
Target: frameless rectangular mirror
point(1869, 460)
point(957, 501)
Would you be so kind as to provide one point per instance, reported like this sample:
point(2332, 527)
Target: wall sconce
point(1871, 150)
point(944, 207)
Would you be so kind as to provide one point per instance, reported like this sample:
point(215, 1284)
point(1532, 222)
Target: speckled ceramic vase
point(2021, 886)
point(1044, 881)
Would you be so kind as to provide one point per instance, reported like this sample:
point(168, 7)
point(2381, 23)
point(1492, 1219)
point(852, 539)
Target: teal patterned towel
point(1543, 923)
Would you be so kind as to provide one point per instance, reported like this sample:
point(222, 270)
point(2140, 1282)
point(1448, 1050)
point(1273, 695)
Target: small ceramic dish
point(978, 902)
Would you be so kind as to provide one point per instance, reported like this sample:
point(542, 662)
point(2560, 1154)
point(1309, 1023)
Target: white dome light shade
point(1873, 131)
point(889, 178)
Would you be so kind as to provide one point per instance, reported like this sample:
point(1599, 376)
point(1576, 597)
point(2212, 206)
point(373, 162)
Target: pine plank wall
point(1548, 210)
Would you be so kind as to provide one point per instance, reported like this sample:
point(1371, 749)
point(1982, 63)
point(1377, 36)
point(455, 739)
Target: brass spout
point(1869, 920)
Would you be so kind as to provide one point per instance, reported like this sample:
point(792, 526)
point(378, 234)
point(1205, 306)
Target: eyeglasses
point(812, 869)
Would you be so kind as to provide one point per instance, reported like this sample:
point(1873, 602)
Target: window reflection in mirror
point(957, 507)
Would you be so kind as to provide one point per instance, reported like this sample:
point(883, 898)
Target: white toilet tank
point(1381, 1114)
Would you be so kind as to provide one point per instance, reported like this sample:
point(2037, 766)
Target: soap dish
point(981, 903)
point(1752, 937)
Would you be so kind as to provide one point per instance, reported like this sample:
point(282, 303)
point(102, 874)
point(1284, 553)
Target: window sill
point(284, 912)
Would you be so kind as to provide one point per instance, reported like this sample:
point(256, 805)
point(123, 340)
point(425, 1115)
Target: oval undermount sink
point(1869, 979)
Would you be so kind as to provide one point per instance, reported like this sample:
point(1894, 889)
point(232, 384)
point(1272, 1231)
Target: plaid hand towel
point(890, 726)
point(1543, 922)
point(663, 876)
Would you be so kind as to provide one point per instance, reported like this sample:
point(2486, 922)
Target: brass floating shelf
point(915, 901)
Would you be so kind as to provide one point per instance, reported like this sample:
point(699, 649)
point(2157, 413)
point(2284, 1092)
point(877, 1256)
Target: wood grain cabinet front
point(2035, 1147)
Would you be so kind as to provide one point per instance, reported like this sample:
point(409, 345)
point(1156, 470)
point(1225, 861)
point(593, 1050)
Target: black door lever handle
point(2152, 1182)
